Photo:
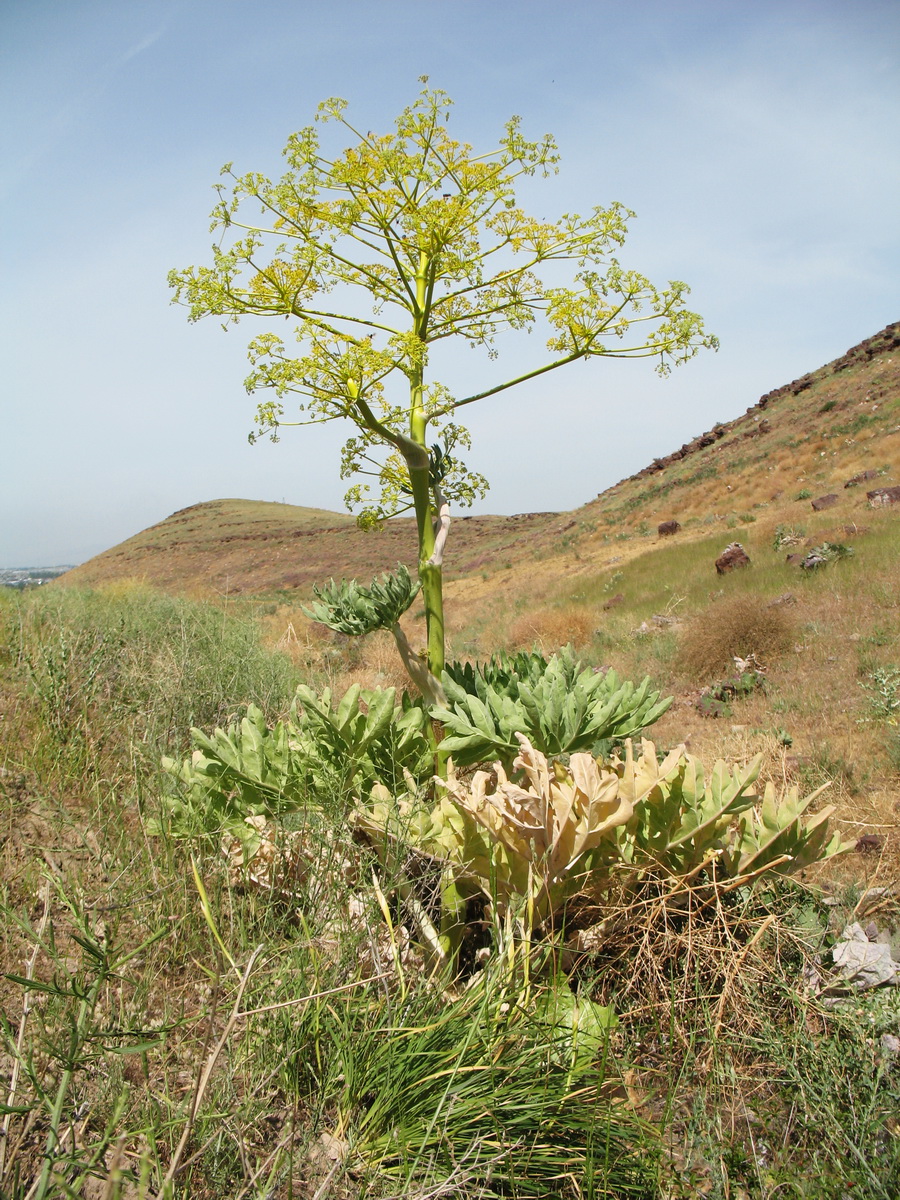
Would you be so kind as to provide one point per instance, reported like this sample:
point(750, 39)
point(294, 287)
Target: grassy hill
point(258, 548)
point(810, 436)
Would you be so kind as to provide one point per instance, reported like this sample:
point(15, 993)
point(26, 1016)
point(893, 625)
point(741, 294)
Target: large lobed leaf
point(321, 753)
point(561, 707)
point(536, 842)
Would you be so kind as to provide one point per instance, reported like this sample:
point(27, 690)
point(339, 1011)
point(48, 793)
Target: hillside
point(257, 547)
point(806, 439)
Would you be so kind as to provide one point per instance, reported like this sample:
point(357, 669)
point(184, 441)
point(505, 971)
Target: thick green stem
point(430, 572)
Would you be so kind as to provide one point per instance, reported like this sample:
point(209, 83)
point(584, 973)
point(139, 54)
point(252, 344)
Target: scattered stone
point(873, 896)
point(861, 963)
point(862, 477)
point(883, 497)
point(731, 558)
point(890, 1045)
point(825, 501)
point(869, 843)
point(661, 621)
point(667, 528)
point(784, 600)
point(813, 561)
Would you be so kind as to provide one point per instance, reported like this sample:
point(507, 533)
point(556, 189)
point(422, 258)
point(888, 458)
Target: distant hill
point(252, 546)
point(799, 442)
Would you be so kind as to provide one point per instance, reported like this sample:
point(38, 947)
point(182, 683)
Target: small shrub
point(826, 766)
point(715, 700)
point(805, 494)
point(883, 694)
point(739, 626)
point(893, 752)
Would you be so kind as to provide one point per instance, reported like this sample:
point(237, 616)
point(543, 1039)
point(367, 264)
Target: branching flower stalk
point(422, 240)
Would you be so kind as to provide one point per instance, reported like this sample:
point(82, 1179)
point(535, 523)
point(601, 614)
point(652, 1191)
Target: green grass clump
point(154, 664)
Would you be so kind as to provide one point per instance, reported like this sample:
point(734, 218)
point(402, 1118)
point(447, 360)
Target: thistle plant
point(424, 240)
point(882, 690)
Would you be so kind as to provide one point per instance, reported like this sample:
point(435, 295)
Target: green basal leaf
point(559, 706)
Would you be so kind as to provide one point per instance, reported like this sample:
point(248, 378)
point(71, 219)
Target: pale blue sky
point(757, 143)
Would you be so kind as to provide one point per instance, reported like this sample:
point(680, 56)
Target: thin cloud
point(67, 116)
point(140, 47)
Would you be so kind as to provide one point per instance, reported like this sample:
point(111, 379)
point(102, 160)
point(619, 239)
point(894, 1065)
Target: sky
point(756, 143)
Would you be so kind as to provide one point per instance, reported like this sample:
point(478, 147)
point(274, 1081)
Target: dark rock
point(887, 340)
point(613, 601)
point(731, 558)
point(869, 843)
point(825, 501)
point(862, 477)
point(882, 497)
point(667, 528)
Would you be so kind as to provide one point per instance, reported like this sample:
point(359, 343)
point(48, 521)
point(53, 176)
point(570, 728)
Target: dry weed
point(737, 625)
point(692, 956)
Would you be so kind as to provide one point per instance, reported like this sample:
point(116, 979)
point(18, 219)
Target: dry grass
point(741, 625)
point(548, 629)
point(692, 955)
